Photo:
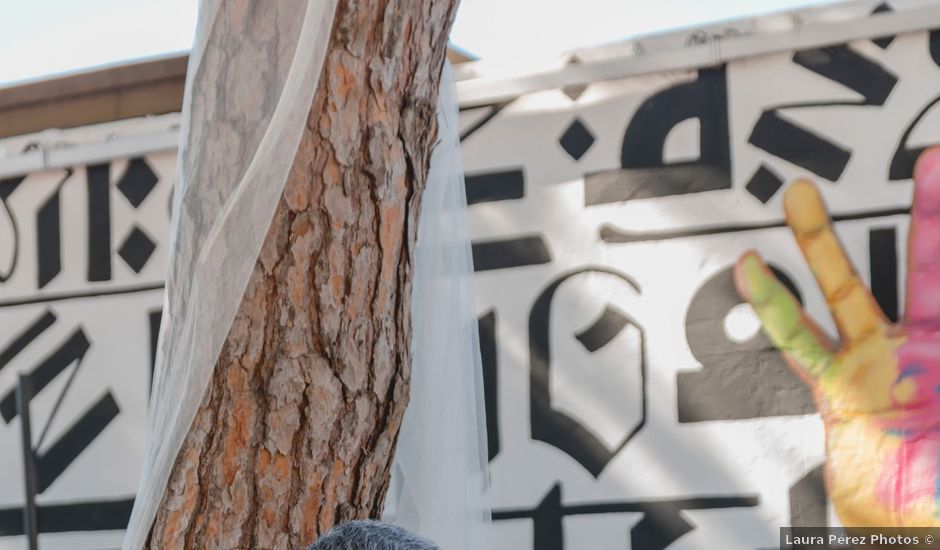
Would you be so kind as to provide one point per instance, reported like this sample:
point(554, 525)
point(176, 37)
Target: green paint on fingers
point(782, 317)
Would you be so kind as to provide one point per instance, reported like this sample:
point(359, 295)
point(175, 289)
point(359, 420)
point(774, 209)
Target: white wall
point(668, 423)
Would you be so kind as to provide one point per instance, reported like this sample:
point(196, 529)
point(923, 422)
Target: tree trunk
point(297, 429)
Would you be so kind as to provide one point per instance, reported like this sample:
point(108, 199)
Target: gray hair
point(371, 535)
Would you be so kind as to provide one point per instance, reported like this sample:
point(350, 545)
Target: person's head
point(370, 535)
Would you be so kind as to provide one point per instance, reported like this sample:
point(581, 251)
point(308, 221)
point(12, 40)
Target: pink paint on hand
point(912, 472)
point(910, 475)
point(923, 290)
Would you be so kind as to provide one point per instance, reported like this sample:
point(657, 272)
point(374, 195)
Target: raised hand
point(878, 390)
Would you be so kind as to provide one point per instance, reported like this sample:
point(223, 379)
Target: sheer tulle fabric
point(440, 476)
point(250, 82)
point(251, 79)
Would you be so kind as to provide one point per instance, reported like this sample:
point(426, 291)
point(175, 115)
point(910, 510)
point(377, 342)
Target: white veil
point(252, 75)
point(249, 85)
point(440, 477)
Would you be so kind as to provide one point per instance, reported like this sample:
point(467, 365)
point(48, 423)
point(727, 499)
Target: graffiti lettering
point(553, 426)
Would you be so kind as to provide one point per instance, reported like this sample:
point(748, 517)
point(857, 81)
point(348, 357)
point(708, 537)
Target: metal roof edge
point(719, 49)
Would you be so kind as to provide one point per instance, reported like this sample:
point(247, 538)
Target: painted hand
point(878, 391)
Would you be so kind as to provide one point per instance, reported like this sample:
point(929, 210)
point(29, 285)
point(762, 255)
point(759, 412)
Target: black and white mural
point(82, 262)
point(632, 401)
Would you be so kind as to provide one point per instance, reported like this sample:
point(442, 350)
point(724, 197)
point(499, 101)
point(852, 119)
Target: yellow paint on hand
point(905, 390)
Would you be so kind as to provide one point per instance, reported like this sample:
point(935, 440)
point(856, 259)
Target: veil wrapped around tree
point(319, 277)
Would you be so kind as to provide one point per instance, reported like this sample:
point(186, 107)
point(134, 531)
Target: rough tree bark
point(298, 427)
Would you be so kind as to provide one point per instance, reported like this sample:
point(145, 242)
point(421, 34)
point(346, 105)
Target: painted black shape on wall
point(499, 185)
point(154, 318)
point(644, 172)
point(99, 222)
point(764, 184)
point(7, 187)
point(576, 139)
point(553, 426)
point(661, 525)
point(851, 69)
point(805, 148)
point(883, 269)
point(80, 435)
point(48, 240)
point(53, 462)
point(25, 337)
point(136, 249)
point(808, 500)
point(782, 138)
point(603, 330)
point(72, 350)
point(491, 112)
point(98, 515)
point(490, 362)
point(738, 380)
point(548, 532)
point(138, 181)
point(808, 503)
point(934, 46)
point(883, 42)
point(905, 156)
point(512, 252)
